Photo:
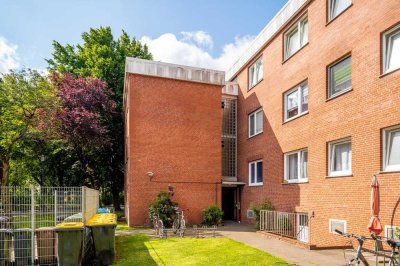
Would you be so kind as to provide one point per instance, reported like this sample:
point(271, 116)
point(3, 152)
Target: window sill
point(301, 48)
point(255, 85)
point(256, 185)
point(295, 117)
point(295, 183)
point(342, 175)
point(388, 73)
point(339, 94)
point(255, 135)
point(338, 15)
point(389, 172)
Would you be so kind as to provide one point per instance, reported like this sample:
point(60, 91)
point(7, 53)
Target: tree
point(103, 57)
point(25, 98)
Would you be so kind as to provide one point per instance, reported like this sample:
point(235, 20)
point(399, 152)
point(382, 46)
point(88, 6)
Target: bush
point(397, 233)
point(266, 205)
point(212, 215)
point(164, 207)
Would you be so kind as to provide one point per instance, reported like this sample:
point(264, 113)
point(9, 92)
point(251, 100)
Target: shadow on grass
point(133, 251)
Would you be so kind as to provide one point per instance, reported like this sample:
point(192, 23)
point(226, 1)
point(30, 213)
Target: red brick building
point(317, 114)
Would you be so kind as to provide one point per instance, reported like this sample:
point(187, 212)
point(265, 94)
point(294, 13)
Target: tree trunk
point(115, 194)
point(5, 167)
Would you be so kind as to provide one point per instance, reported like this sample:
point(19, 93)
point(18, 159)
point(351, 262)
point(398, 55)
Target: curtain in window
point(342, 157)
point(259, 172)
point(293, 42)
point(259, 122)
point(337, 7)
point(293, 166)
point(304, 164)
point(393, 52)
point(340, 76)
point(304, 32)
point(252, 173)
point(394, 148)
point(304, 98)
point(259, 70)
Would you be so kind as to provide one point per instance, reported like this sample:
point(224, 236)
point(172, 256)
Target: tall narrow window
point(296, 101)
point(339, 77)
point(255, 73)
point(340, 158)
point(255, 173)
point(391, 149)
point(296, 166)
point(296, 37)
point(336, 7)
point(255, 123)
point(391, 49)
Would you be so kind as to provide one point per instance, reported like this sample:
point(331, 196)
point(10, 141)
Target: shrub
point(397, 233)
point(266, 205)
point(212, 215)
point(164, 207)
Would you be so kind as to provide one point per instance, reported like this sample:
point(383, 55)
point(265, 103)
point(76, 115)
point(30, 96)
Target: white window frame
point(337, 221)
point(385, 151)
point(299, 168)
point(386, 38)
point(300, 95)
point(392, 227)
point(255, 122)
point(255, 183)
point(331, 4)
point(301, 33)
point(253, 68)
point(330, 83)
point(330, 158)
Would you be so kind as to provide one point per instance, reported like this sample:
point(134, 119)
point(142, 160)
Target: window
point(296, 37)
point(391, 149)
point(336, 7)
point(391, 50)
point(339, 77)
point(255, 73)
point(296, 101)
point(255, 123)
point(392, 232)
point(255, 173)
point(296, 166)
point(340, 225)
point(340, 158)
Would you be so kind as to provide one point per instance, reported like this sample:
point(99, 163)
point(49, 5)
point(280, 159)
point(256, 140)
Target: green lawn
point(140, 250)
point(121, 226)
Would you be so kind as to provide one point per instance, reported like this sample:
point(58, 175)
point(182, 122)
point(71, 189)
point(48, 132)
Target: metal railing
point(287, 224)
point(28, 216)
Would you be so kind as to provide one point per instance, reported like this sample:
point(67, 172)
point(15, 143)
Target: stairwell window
point(337, 7)
point(391, 149)
point(255, 123)
point(339, 158)
point(296, 166)
point(296, 37)
point(255, 73)
point(339, 77)
point(256, 173)
point(391, 50)
point(296, 101)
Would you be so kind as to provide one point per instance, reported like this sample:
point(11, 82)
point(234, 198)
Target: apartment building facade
point(317, 115)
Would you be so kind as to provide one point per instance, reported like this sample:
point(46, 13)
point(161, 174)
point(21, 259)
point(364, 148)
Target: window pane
point(394, 148)
point(259, 172)
point(340, 77)
point(393, 50)
point(304, 98)
point(341, 157)
point(293, 42)
point(252, 173)
point(292, 166)
point(259, 122)
point(337, 7)
point(259, 70)
point(292, 104)
point(304, 164)
point(253, 76)
point(251, 125)
point(304, 32)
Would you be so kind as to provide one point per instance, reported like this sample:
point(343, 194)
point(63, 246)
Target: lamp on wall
point(150, 174)
point(170, 190)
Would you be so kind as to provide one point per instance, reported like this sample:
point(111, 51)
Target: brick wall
point(174, 131)
point(373, 103)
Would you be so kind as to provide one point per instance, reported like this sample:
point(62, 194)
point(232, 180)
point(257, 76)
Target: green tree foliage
point(103, 57)
point(26, 99)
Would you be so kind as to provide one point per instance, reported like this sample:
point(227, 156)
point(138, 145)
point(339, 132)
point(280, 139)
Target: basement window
point(255, 123)
point(335, 224)
point(256, 173)
point(391, 50)
point(391, 149)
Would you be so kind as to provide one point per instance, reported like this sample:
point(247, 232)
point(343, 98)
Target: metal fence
point(288, 224)
point(28, 216)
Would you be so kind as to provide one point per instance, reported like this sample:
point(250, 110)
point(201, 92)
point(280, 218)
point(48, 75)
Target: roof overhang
point(232, 183)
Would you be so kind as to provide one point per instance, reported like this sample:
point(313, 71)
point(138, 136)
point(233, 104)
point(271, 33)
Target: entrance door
point(228, 202)
point(302, 227)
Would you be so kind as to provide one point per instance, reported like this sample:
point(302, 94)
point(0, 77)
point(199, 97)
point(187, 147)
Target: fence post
point(83, 203)
point(33, 225)
point(55, 207)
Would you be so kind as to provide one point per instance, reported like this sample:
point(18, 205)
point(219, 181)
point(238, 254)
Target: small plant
point(397, 232)
point(212, 215)
point(164, 207)
point(266, 205)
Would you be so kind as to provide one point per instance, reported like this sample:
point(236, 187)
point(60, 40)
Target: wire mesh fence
point(28, 216)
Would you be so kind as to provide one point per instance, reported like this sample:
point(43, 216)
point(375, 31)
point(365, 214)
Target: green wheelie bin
point(5, 245)
point(103, 232)
point(70, 243)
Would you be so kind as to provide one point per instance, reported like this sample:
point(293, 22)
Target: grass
point(140, 250)
point(122, 226)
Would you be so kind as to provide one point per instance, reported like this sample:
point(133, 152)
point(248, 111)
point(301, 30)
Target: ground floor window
point(256, 173)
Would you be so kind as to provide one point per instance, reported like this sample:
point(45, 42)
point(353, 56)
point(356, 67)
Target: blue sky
point(207, 33)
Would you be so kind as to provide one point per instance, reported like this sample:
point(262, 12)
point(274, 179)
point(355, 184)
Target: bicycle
point(158, 226)
point(358, 257)
point(394, 245)
point(179, 224)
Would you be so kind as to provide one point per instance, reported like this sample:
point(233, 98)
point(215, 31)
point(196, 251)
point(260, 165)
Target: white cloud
point(8, 56)
point(192, 49)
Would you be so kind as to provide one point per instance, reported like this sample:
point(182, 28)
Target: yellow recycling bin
point(70, 241)
point(103, 232)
